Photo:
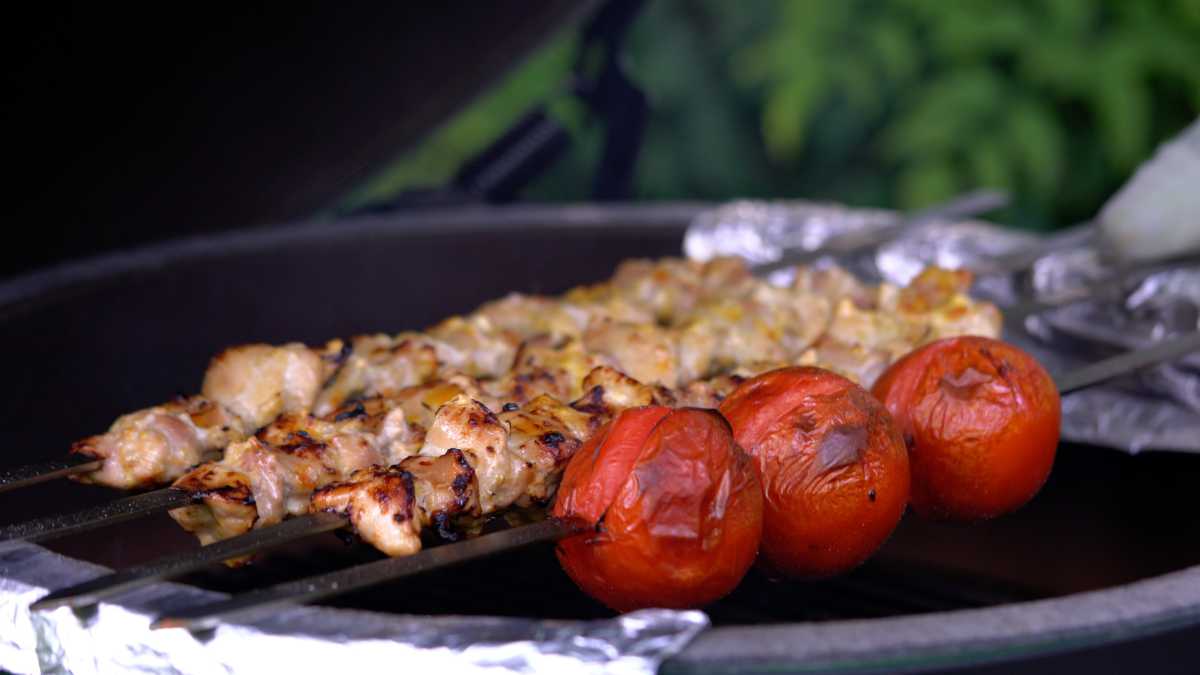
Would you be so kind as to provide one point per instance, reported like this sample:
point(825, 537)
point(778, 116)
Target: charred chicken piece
point(389, 506)
point(272, 475)
point(473, 463)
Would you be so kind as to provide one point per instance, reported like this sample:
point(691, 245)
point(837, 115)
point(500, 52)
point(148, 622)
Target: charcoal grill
point(1096, 572)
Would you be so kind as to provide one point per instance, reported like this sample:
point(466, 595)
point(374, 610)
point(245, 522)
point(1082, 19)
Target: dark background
point(125, 124)
point(128, 124)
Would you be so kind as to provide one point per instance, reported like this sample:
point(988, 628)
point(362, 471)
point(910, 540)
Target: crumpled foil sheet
point(1156, 409)
point(115, 636)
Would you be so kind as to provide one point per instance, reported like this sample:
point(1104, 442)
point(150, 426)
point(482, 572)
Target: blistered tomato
point(981, 418)
point(672, 507)
point(833, 467)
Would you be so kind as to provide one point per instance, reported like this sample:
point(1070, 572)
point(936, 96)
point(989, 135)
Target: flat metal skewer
point(92, 591)
point(965, 206)
point(1122, 275)
point(343, 581)
point(31, 474)
point(1121, 364)
point(111, 513)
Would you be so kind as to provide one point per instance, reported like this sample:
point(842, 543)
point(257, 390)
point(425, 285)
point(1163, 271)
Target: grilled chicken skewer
point(316, 522)
point(714, 317)
point(273, 474)
point(863, 331)
point(742, 333)
point(471, 463)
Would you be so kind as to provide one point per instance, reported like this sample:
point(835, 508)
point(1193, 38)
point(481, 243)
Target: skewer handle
point(31, 474)
point(1162, 352)
point(342, 581)
point(111, 513)
point(92, 591)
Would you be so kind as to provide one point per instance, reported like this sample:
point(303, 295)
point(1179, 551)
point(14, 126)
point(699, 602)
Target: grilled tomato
point(981, 419)
point(671, 506)
point(833, 468)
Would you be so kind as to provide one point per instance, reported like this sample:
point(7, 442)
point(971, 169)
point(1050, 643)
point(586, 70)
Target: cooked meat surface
point(679, 325)
point(259, 382)
point(156, 445)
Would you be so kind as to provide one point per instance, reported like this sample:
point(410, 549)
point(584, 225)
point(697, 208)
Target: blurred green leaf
point(932, 180)
point(895, 50)
point(1037, 144)
point(1122, 106)
point(943, 114)
point(786, 113)
point(989, 164)
point(884, 102)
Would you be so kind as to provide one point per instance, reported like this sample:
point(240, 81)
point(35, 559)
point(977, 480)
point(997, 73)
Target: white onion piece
point(1157, 213)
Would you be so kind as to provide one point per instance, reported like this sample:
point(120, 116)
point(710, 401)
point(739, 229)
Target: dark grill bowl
point(1096, 572)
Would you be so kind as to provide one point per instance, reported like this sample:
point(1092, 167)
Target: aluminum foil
point(1157, 409)
point(115, 636)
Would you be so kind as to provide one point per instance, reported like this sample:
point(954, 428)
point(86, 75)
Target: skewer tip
point(49, 602)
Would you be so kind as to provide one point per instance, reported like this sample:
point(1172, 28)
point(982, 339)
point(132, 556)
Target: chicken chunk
point(389, 506)
point(608, 391)
point(379, 365)
point(276, 471)
point(644, 352)
point(380, 503)
point(259, 382)
point(156, 445)
point(473, 345)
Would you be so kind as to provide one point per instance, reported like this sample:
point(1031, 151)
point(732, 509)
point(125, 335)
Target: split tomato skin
point(833, 466)
point(671, 506)
point(982, 421)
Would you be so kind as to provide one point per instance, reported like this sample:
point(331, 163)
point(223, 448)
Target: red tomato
point(672, 506)
point(981, 419)
point(833, 467)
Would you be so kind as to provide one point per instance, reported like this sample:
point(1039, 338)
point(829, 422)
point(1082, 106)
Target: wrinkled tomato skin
point(676, 524)
point(981, 418)
point(833, 466)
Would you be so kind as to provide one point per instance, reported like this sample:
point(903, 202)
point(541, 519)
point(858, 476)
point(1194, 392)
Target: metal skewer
point(1161, 352)
point(31, 474)
point(111, 513)
point(94, 590)
point(361, 576)
point(1017, 314)
point(965, 206)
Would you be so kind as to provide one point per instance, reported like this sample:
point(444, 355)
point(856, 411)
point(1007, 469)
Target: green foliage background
point(876, 102)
